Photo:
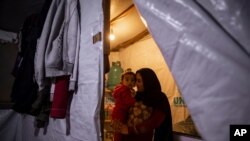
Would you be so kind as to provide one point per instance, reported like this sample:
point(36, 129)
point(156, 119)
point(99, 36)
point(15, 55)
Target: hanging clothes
point(69, 56)
point(42, 45)
point(24, 89)
point(60, 98)
point(57, 50)
point(71, 41)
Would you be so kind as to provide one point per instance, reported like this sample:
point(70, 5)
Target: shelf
point(107, 120)
point(109, 103)
point(108, 90)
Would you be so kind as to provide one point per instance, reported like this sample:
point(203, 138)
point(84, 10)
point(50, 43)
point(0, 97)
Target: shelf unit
point(108, 107)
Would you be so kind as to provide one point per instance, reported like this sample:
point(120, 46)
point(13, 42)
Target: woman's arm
point(153, 122)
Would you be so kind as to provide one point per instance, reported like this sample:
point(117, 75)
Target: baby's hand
point(132, 92)
point(119, 127)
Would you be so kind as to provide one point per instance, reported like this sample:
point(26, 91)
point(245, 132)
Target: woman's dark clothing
point(159, 102)
point(152, 96)
point(145, 131)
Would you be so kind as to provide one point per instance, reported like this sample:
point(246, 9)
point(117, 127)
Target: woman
point(159, 125)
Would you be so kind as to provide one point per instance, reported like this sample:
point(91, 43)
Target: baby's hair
point(128, 72)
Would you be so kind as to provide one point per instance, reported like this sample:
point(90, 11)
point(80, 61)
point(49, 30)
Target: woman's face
point(139, 83)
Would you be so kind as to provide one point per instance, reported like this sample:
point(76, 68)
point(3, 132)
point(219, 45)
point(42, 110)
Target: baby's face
point(128, 80)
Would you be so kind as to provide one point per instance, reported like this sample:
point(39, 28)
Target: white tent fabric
point(207, 54)
point(6, 36)
point(84, 124)
point(209, 63)
point(233, 18)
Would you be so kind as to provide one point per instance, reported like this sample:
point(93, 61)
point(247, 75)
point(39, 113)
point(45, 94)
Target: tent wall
point(14, 12)
point(83, 121)
point(9, 37)
point(205, 45)
point(211, 67)
point(8, 52)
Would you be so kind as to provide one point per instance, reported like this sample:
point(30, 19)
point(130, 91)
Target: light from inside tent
point(111, 35)
point(144, 21)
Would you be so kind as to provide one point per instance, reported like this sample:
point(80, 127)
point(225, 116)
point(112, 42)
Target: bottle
point(114, 75)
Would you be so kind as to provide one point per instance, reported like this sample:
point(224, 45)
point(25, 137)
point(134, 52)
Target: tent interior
point(134, 47)
point(198, 49)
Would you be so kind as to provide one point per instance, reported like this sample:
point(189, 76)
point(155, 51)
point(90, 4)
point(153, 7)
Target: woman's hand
point(119, 127)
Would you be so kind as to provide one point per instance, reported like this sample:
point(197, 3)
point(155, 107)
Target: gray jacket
point(53, 54)
point(71, 41)
point(39, 63)
point(59, 47)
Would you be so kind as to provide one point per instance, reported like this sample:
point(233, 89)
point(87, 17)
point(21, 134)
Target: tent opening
point(135, 48)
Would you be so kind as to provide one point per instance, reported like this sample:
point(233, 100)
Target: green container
point(114, 75)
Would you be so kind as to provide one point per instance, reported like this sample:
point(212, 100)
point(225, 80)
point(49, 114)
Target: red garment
point(123, 101)
point(144, 131)
point(60, 98)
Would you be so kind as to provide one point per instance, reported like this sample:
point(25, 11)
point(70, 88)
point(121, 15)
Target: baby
point(124, 99)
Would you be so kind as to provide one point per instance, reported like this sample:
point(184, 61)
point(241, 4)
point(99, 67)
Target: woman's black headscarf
point(153, 96)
